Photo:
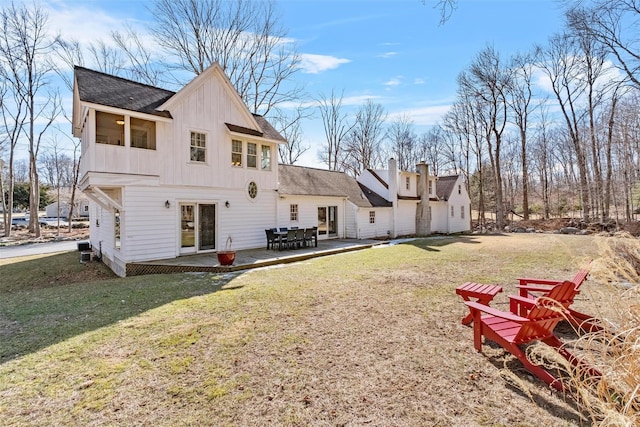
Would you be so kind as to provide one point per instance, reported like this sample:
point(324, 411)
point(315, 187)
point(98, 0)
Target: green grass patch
point(369, 337)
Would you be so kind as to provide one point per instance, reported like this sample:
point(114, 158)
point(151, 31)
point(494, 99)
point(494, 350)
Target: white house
point(172, 173)
point(176, 173)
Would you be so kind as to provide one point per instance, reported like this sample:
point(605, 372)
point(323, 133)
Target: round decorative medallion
point(253, 189)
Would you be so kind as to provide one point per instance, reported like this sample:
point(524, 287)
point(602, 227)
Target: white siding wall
point(458, 224)
point(308, 212)
point(206, 109)
point(151, 231)
point(379, 228)
point(406, 220)
point(402, 184)
point(439, 217)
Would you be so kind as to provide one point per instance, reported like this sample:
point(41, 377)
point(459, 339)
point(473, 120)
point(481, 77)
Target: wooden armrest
point(497, 313)
point(526, 280)
point(535, 288)
point(527, 302)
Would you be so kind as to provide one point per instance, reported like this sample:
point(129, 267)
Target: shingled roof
point(112, 91)
point(304, 181)
point(445, 186)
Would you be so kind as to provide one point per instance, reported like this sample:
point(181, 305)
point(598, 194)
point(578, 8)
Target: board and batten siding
point(206, 109)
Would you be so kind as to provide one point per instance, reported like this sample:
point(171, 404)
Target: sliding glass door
point(197, 227)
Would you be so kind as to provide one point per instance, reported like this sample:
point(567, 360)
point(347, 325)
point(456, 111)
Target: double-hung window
point(252, 155)
point(265, 158)
point(236, 153)
point(372, 217)
point(293, 212)
point(198, 147)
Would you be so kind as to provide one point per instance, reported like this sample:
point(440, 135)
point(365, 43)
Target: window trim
point(240, 153)
point(262, 157)
point(191, 146)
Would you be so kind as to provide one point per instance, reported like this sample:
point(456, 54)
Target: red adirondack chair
point(511, 331)
point(535, 288)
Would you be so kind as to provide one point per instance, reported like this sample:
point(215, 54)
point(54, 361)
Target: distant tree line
point(551, 131)
point(572, 146)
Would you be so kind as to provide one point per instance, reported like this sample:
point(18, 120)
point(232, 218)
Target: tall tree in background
point(487, 81)
point(243, 36)
point(403, 142)
point(289, 128)
point(363, 145)
point(336, 127)
point(561, 63)
point(613, 23)
point(14, 114)
point(24, 49)
point(520, 101)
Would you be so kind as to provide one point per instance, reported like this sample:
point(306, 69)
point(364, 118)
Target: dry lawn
point(364, 338)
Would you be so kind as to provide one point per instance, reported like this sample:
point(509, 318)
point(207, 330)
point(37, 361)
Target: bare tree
point(14, 112)
point(289, 128)
point(336, 128)
point(614, 24)
point(363, 145)
point(561, 63)
point(520, 101)
point(243, 36)
point(403, 142)
point(24, 49)
point(487, 81)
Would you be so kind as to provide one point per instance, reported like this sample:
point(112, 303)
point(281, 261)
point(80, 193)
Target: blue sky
point(394, 52)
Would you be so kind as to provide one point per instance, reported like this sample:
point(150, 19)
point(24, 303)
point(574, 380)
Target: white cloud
point(422, 116)
point(395, 81)
point(418, 81)
point(387, 55)
point(314, 64)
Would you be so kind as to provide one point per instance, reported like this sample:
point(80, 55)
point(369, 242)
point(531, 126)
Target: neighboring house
point(176, 173)
point(80, 209)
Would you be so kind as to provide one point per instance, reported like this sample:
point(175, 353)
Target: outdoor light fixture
point(167, 204)
point(227, 204)
point(120, 122)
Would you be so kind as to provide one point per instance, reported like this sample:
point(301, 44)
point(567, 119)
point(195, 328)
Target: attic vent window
point(252, 190)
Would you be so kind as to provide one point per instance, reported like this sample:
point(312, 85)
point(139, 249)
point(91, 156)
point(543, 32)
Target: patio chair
point(291, 238)
point(315, 235)
point(272, 239)
point(512, 331)
point(308, 237)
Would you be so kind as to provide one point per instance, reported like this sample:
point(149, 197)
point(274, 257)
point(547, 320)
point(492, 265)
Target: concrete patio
point(247, 259)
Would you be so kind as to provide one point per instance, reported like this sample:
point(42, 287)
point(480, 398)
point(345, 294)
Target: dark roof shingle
point(113, 91)
point(445, 186)
point(304, 181)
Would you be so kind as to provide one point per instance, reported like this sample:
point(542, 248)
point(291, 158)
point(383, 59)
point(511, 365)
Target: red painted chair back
point(546, 314)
